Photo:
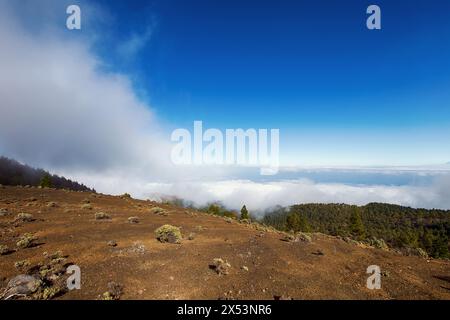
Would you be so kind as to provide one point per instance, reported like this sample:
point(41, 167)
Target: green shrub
point(378, 243)
point(21, 264)
point(222, 267)
point(3, 249)
point(114, 292)
point(133, 220)
point(86, 206)
point(27, 240)
point(289, 238)
point(158, 210)
point(25, 217)
point(50, 292)
point(303, 237)
point(296, 237)
point(3, 212)
point(191, 236)
point(102, 216)
point(168, 233)
point(230, 214)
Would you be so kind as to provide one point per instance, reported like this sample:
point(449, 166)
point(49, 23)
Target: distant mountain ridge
point(14, 173)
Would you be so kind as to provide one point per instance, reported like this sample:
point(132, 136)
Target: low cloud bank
point(259, 196)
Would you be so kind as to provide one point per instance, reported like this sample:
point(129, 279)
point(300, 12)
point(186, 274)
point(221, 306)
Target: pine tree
point(214, 209)
point(297, 223)
point(46, 181)
point(356, 225)
point(244, 213)
point(440, 245)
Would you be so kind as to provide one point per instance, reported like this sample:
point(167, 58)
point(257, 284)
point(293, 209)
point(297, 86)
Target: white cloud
point(259, 196)
point(59, 111)
point(263, 195)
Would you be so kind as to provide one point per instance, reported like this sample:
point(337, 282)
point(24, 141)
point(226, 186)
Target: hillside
point(13, 173)
point(404, 228)
point(63, 230)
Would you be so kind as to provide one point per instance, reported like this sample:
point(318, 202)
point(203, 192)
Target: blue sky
point(310, 68)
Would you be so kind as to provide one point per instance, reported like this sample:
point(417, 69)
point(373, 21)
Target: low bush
point(168, 233)
point(25, 217)
point(220, 266)
point(102, 216)
point(26, 241)
point(158, 210)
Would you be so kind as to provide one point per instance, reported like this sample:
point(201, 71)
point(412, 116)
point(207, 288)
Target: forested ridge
point(13, 173)
point(399, 226)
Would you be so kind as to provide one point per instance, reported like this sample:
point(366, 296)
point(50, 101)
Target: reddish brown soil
point(181, 271)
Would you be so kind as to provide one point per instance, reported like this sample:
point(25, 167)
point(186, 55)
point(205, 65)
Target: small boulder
point(21, 285)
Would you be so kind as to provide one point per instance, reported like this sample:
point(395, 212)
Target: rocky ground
point(113, 241)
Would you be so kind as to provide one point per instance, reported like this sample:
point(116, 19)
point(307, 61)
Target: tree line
point(13, 173)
